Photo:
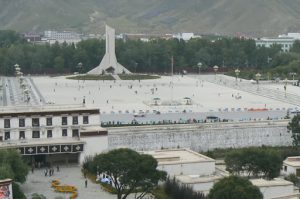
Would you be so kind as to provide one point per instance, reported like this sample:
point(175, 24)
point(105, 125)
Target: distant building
point(285, 42)
point(143, 37)
point(294, 35)
point(61, 37)
point(186, 36)
point(32, 37)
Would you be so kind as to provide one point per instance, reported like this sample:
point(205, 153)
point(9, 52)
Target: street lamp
point(258, 75)
point(79, 66)
point(135, 65)
point(237, 72)
point(199, 66)
point(285, 84)
point(293, 75)
point(216, 68)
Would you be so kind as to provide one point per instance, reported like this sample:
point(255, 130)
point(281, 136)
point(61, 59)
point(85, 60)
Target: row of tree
point(137, 56)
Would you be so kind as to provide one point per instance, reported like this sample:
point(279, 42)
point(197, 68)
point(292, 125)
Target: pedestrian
point(57, 168)
point(32, 168)
point(46, 172)
point(85, 183)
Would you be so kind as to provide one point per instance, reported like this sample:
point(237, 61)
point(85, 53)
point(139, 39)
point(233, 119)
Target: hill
point(253, 17)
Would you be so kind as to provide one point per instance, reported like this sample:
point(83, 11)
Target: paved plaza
point(68, 175)
point(217, 95)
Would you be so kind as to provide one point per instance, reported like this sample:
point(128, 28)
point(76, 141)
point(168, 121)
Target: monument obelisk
point(109, 63)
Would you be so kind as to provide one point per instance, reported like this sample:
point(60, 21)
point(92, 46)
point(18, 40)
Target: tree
point(129, 171)
point(234, 187)
point(12, 166)
point(258, 162)
point(294, 127)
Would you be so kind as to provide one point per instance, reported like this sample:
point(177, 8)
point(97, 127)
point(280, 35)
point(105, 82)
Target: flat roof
point(271, 183)
point(177, 156)
point(293, 161)
point(195, 179)
point(45, 109)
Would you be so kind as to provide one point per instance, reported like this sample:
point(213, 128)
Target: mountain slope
point(253, 17)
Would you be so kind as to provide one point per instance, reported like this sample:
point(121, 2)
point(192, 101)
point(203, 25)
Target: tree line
point(151, 57)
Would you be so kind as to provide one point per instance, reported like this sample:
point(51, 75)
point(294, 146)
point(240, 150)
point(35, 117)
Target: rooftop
point(292, 161)
point(177, 156)
point(270, 183)
point(44, 109)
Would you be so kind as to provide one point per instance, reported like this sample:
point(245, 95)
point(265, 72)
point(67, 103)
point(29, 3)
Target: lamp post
point(79, 66)
point(258, 75)
point(135, 66)
point(199, 67)
point(285, 85)
point(216, 68)
point(237, 72)
point(293, 75)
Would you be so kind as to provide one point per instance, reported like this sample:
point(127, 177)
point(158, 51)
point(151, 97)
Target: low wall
point(201, 137)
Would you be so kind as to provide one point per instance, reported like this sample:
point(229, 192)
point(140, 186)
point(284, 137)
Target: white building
point(285, 42)
point(291, 165)
point(61, 37)
point(50, 134)
point(276, 189)
point(188, 167)
point(295, 35)
point(186, 36)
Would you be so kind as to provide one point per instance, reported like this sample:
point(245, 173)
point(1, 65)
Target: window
point(65, 132)
point(85, 119)
point(64, 121)
point(49, 121)
point(75, 119)
point(49, 133)
point(7, 135)
point(6, 123)
point(75, 133)
point(298, 172)
point(22, 122)
point(22, 135)
point(285, 168)
point(35, 134)
point(35, 122)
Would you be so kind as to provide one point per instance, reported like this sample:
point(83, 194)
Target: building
point(276, 189)
point(291, 165)
point(32, 37)
point(50, 134)
point(189, 168)
point(186, 36)
point(295, 35)
point(69, 37)
point(285, 42)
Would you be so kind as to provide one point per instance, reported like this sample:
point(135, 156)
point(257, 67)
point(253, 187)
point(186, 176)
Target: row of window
point(36, 134)
point(36, 121)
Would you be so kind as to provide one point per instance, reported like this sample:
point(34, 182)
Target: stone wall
point(201, 137)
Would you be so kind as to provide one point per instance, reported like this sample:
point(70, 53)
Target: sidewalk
point(68, 175)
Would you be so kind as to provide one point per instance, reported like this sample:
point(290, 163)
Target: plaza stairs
point(116, 77)
point(260, 90)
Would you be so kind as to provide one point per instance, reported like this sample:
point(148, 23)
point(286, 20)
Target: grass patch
point(137, 76)
point(91, 77)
